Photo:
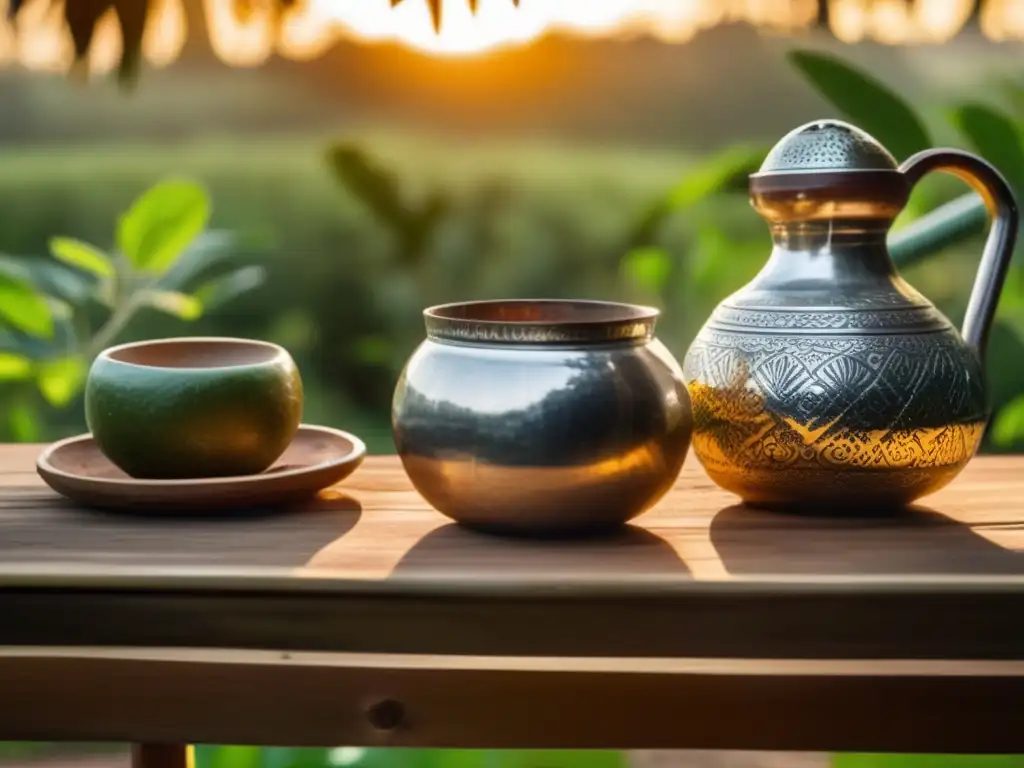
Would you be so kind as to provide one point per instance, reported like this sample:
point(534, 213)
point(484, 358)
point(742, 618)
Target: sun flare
point(499, 23)
point(313, 26)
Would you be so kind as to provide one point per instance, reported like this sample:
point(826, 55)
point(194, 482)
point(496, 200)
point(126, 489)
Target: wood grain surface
point(374, 525)
point(704, 625)
point(370, 568)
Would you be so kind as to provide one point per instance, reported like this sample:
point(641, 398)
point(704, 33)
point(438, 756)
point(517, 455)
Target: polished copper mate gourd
point(828, 381)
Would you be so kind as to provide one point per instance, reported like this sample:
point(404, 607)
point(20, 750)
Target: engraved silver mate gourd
point(828, 381)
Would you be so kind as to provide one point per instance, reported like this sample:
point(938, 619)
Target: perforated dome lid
point(827, 145)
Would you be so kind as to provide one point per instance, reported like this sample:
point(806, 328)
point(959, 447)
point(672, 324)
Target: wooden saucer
point(318, 457)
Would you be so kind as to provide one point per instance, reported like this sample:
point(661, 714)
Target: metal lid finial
point(827, 145)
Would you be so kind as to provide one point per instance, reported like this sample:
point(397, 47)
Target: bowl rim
point(44, 463)
point(581, 321)
point(280, 354)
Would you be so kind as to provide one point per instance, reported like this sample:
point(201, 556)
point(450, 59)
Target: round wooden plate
point(318, 457)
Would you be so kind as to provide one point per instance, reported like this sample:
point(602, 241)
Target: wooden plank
point(958, 619)
point(369, 567)
point(375, 526)
point(163, 696)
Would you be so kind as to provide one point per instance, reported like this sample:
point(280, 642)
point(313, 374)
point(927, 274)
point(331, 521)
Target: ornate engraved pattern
point(539, 333)
point(897, 294)
point(827, 145)
point(911, 319)
point(775, 416)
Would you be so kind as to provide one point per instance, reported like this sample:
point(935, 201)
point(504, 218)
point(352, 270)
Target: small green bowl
point(193, 407)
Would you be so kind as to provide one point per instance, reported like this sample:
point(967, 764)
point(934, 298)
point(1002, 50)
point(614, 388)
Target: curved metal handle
point(1002, 236)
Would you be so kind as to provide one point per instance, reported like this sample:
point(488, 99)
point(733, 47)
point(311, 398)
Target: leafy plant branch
point(47, 338)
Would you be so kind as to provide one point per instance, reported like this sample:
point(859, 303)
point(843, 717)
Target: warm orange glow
point(1003, 19)
point(41, 44)
point(106, 48)
point(166, 33)
point(894, 22)
point(499, 23)
point(314, 25)
point(239, 43)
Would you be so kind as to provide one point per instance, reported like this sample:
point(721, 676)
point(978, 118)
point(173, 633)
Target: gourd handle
point(1002, 236)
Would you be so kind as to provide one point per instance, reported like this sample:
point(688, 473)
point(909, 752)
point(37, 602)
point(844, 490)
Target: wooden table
point(366, 619)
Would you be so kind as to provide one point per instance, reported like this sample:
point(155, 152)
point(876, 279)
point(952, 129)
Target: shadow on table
point(281, 537)
point(454, 549)
point(917, 541)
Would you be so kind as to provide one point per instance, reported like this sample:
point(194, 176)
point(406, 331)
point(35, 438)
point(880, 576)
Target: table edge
point(56, 694)
point(513, 585)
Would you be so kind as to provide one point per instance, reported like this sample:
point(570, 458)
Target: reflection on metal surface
point(827, 380)
point(512, 427)
point(883, 418)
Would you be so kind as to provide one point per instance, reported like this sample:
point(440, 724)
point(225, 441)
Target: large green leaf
point(81, 255)
point(14, 367)
point(722, 171)
point(995, 136)
point(162, 223)
point(24, 423)
point(865, 101)
point(728, 168)
point(174, 303)
point(373, 185)
point(1013, 92)
point(1008, 426)
point(50, 277)
point(64, 336)
point(648, 268)
point(22, 307)
point(226, 288)
point(709, 258)
point(60, 380)
point(205, 254)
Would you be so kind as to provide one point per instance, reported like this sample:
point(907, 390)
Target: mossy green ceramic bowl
point(193, 407)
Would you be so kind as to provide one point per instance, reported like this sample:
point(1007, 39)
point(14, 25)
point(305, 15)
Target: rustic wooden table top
point(795, 626)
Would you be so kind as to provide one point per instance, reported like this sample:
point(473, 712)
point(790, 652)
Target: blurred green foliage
point(870, 104)
point(362, 242)
point(343, 292)
point(58, 313)
point(996, 135)
point(350, 264)
point(993, 133)
point(352, 757)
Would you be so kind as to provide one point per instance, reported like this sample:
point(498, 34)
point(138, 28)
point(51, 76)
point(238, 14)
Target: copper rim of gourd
point(540, 321)
point(196, 353)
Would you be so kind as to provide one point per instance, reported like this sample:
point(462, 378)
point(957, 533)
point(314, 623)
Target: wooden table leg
point(162, 756)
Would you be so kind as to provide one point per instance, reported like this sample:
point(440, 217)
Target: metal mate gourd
point(541, 416)
point(828, 380)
